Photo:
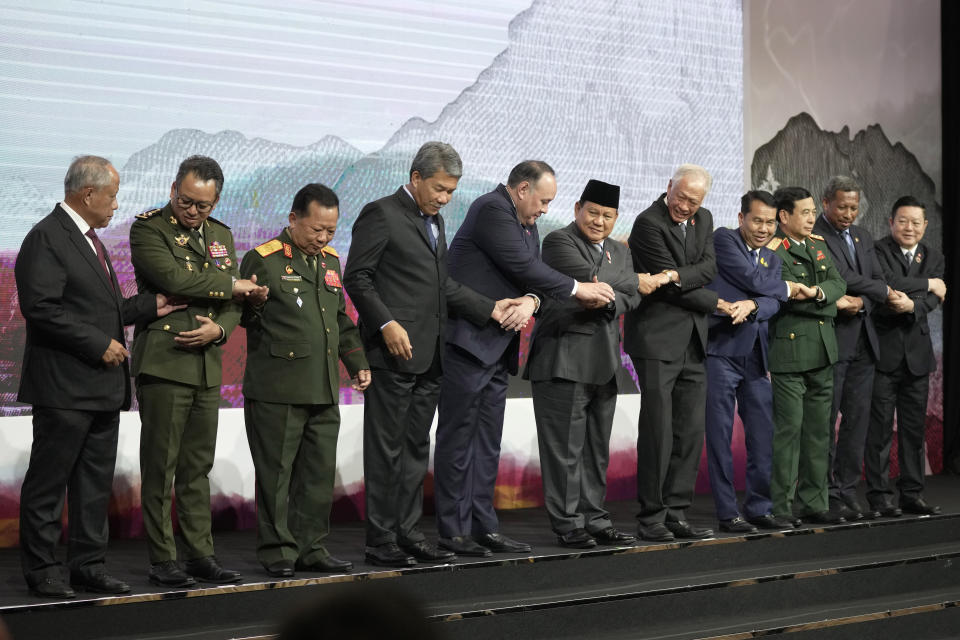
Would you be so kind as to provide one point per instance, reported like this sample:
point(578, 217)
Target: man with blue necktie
point(748, 272)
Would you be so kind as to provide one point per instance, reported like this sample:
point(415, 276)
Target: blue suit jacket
point(496, 256)
point(738, 279)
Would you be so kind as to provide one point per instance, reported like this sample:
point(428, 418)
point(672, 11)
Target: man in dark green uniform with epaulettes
point(803, 348)
point(182, 251)
point(291, 385)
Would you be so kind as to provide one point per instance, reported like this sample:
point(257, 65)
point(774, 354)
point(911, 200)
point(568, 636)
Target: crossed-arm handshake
point(900, 302)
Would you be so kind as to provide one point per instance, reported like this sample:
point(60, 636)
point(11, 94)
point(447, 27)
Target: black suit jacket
point(906, 336)
point(393, 274)
point(499, 257)
point(568, 341)
point(666, 320)
point(864, 278)
point(72, 312)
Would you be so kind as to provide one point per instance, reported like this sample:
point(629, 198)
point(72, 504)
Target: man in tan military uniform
point(803, 348)
point(176, 360)
point(291, 384)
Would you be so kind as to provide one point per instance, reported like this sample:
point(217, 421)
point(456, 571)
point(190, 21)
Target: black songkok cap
point(603, 194)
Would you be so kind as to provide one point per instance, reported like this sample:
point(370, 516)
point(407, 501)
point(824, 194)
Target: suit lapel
point(413, 215)
point(80, 243)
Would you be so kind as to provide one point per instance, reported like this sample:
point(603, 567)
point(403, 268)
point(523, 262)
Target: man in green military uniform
point(176, 360)
point(803, 348)
point(291, 384)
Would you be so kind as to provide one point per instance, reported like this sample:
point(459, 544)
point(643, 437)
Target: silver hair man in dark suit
point(573, 363)
point(76, 376)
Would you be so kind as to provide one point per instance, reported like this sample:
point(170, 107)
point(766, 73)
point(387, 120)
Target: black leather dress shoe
point(737, 525)
point(464, 546)
point(280, 569)
point(846, 512)
point(499, 543)
point(208, 569)
point(824, 517)
point(169, 574)
point(426, 552)
point(919, 506)
point(576, 539)
point(389, 555)
point(888, 511)
point(97, 581)
point(866, 514)
point(52, 588)
point(770, 521)
point(325, 564)
point(656, 532)
point(611, 536)
point(683, 529)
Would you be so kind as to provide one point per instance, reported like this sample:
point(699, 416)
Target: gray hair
point(87, 171)
point(434, 156)
point(840, 183)
point(694, 170)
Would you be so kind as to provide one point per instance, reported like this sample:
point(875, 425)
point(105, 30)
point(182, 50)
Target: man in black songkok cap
point(574, 359)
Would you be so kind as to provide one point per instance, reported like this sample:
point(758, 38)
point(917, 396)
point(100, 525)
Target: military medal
point(217, 250)
point(181, 240)
point(332, 279)
point(299, 302)
point(288, 269)
point(227, 262)
point(820, 255)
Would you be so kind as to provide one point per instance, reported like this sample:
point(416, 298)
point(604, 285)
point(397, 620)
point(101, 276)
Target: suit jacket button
point(290, 354)
point(792, 336)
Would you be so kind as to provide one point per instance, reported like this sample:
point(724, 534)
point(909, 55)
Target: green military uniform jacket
point(296, 337)
point(802, 337)
point(168, 260)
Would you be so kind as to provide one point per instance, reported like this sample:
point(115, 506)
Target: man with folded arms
point(914, 270)
point(573, 364)
point(748, 272)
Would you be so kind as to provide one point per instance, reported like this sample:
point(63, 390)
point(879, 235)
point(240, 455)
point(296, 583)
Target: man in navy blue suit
point(749, 273)
point(496, 253)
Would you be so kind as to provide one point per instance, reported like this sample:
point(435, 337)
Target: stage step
point(824, 582)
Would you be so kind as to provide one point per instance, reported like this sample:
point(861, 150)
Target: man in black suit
point(573, 364)
point(851, 248)
point(666, 338)
point(915, 271)
point(75, 374)
point(396, 275)
point(496, 252)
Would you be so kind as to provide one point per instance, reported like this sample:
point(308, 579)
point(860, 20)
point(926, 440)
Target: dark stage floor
point(128, 561)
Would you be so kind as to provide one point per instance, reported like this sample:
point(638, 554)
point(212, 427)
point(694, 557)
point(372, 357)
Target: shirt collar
point(77, 220)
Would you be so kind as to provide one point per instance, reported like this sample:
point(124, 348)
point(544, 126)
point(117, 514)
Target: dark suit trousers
point(670, 434)
point(72, 452)
point(852, 389)
point(472, 403)
point(907, 393)
point(742, 382)
point(397, 414)
point(294, 451)
point(178, 438)
point(574, 421)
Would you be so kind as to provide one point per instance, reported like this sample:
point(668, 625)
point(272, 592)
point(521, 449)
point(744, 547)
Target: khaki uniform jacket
point(295, 339)
point(167, 260)
point(802, 336)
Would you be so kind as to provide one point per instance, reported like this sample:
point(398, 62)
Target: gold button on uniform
point(210, 315)
point(792, 336)
point(290, 354)
point(328, 330)
point(166, 327)
point(821, 322)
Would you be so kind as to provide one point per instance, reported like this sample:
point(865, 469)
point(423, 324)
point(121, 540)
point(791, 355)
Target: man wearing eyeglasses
point(180, 249)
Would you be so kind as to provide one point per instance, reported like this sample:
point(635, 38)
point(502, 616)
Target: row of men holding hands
point(438, 326)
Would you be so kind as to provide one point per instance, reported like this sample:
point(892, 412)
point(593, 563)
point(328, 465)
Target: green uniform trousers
point(801, 440)
point(178, 436)
point(294, 450)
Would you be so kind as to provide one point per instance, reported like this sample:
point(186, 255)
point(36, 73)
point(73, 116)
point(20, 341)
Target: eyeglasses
point(186, 203)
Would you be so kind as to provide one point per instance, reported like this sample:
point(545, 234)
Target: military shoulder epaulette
point(268, 248)
point(774, 244)
point(224, 225)
point(146, 215)
point(816, 237)
point(330, 251)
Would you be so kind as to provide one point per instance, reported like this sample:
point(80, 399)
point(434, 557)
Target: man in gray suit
point(574, 357)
